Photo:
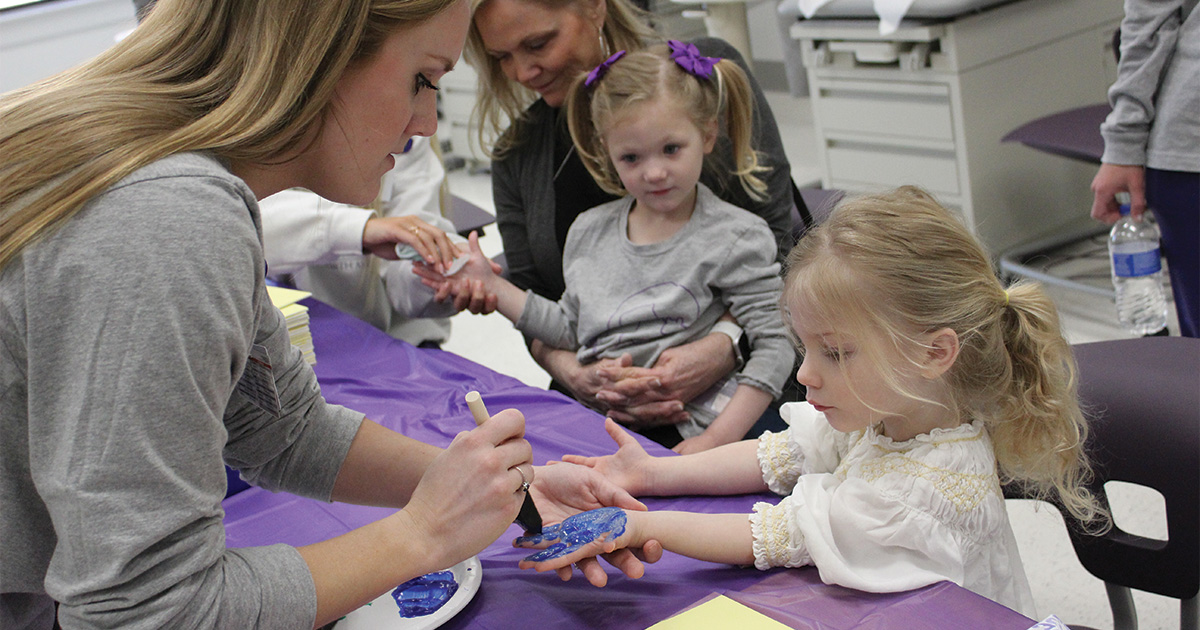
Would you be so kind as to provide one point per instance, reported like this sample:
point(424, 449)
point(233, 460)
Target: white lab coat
point(319, 243)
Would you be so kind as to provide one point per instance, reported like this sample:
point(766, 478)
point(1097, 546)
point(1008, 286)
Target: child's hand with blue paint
point(725, 538)
point(581, 536)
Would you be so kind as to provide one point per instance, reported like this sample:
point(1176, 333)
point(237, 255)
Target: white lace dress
point(884, 516)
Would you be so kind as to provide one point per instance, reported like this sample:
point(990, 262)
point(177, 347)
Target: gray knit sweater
point(642, 299)
point(1155, 120)
point(125, 341)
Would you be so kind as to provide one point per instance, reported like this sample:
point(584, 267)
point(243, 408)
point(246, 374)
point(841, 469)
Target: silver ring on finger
point(524, 482)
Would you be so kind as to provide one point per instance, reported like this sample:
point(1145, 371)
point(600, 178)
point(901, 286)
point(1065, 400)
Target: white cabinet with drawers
point(929, 104)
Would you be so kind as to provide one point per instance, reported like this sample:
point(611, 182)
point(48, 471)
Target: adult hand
point(564, 489)
point(582, 380)
point(1112, 179)
point(607, 533)
point(381, 234)
point(470, 494)
point(642, 398)
point(601, 527)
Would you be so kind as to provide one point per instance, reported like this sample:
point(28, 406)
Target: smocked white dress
point(884, 516)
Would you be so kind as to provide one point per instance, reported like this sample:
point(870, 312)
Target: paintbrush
point(528, 518)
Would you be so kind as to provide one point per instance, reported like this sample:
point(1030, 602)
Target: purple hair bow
point(689, 58)
point(599, 70)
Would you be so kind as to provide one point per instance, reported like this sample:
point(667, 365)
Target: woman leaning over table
point(139, 351)
point(527, 52)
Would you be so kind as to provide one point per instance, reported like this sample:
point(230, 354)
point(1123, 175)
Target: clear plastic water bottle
point(1137, 274)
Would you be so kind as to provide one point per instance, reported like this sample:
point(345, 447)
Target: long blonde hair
point(243, 79)
point(893, 266)
point(500, 101)
point(647, 75)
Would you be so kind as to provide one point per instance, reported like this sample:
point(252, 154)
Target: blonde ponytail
point(1039, 432)
point(915, 268)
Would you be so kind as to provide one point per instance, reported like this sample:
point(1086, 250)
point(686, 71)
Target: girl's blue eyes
point(837, 355)
point(670, 149)
point(424, 82)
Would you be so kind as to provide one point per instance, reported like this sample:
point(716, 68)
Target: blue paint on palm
point(423, 595)
point(577, 531)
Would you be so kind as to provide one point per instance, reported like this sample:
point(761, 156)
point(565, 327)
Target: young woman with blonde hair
point(139, 351)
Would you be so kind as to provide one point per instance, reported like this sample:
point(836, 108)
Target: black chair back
point(1143, 399)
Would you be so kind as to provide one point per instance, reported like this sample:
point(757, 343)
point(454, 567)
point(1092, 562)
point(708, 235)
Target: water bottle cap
point(1124, 209)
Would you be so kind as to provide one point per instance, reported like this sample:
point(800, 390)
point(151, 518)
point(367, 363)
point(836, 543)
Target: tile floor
point(1061, 586)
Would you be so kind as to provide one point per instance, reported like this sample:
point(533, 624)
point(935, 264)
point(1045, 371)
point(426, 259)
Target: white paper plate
point(384, 614)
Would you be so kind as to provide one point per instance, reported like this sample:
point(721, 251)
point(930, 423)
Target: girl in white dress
point(928, 386)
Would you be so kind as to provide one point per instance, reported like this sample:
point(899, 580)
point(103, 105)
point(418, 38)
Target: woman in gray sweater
point(139, 351)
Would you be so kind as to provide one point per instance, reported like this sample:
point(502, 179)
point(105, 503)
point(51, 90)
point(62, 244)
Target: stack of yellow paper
point(719, 612)
point(296, 317)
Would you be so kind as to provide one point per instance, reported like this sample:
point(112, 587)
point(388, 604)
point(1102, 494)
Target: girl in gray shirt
point(659, 267)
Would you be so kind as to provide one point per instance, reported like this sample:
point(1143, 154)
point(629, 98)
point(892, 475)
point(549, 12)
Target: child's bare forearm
point(510, 299)
point(724, 538)
point(729, 469)
point(745, 407)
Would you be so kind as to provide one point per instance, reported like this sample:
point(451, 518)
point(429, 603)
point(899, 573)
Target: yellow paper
point(282, 296)
point(295, 316)
point(292, 310)
point(719, 612)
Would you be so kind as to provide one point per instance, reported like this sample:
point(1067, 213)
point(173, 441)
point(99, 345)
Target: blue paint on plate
point(424, 595)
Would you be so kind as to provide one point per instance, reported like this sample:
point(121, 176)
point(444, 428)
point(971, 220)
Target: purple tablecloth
point(420, 393)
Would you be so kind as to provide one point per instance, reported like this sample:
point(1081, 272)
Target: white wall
point(764, 31)
point(39, 40)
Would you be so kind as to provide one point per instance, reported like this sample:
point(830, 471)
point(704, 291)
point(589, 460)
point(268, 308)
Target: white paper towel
point(890, 12)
